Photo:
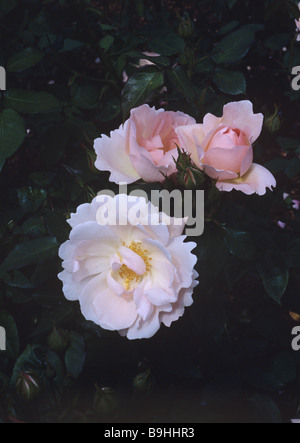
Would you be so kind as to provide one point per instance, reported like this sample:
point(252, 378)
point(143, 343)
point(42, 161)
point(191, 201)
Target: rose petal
point(191, 138)
point(226, 159)
point(113, 156)
point(111, 310)
point(257, 180)
point(133, 261)
point(216, 174)
point(240, 115)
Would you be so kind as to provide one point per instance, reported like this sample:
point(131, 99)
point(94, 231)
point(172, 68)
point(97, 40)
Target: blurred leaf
point(292, 254)
point(12, 337)
point(139, 88)
point(221, 389)
point(267, 409)
point(31, 199)
point(84, 96)
point(71, 45)
point(231, 3)
point(34, 227)
point(231, 26)
point(30, 252)
point(230, 82)
point(109, 111)
point(274, 274)
point(167, 43)
point(75, 355)
point(30, 102)
point(285, 368)
point(12, 133)
point(240, 244)
point(7, 5)
point(57, 316)
point(288, 143)
point(43, 272)
point(19, 280)
point(24, 59)
point(277, 41)
point(106, 42)
point(181, 82)
point(233, 47)
point(57, 225)
point(54, 144)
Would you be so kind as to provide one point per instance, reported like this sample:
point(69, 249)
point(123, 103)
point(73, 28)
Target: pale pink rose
point(144, 147)
point(223, 148)
point(128, 278)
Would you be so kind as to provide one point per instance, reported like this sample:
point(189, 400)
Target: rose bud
point(273, 123)
point(144, 383)
point(185, 29)
point(107, 402)
point(29, 385)
point(58, 340)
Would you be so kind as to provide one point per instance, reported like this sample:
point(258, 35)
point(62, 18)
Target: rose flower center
point(128, 275)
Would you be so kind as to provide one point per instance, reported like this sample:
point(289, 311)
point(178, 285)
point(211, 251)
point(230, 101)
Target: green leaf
point(274, 273)
point(231, 3)
point(75, 355)
point(7, 5)
point(277, 41)
point(181, 82)
point(231, 26)
point(24, 59)
point(233, 47)
point(84, 96)
point(106, 42)
point(34, 227)
point(30, 252)
point(12, 133)
point(288, 143)
point(57, 225)
point(139, 88)
point(292, 254)
point(30, 102)
point(240, 244)
point(167, 43)
point(54, 144)
point(19, 280)
point(71, 45)
point(285, 368)
point(57, 316)
point(31, 199)
point(267, 410)
point(230, 82)
point(12, 336)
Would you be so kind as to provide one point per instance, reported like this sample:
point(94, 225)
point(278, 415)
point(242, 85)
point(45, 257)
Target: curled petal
point(255, 181)
point(112, 156)
point(240, 115)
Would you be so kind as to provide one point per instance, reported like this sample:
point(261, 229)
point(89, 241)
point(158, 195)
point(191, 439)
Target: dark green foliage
point(229, 359)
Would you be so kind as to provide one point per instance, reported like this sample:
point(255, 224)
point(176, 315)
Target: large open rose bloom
point(223, 147)
point(144, 147)
point(129, 278)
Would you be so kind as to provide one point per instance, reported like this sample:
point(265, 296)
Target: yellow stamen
point(129, 276)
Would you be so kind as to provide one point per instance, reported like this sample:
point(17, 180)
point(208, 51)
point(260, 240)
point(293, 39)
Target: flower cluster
point(145, 147)
point(132, 277)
